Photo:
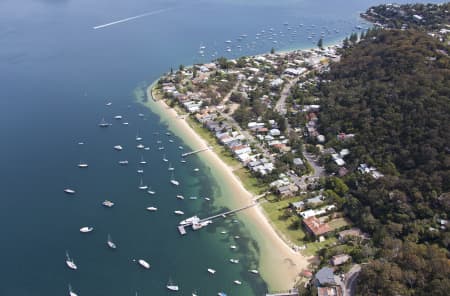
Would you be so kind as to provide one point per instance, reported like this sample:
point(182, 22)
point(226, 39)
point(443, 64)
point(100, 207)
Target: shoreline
point(275, 253)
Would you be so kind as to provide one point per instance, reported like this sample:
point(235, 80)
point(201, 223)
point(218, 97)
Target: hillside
point(392, 90)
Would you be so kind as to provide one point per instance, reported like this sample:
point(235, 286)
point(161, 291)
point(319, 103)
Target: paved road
point(280, 106)
point(350, 280)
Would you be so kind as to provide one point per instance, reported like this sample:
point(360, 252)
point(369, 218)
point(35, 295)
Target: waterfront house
point(314, 226)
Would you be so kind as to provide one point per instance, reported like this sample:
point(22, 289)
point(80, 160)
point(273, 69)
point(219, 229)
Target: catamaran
point(110, 243)
point(144, 263)
point(142, 186)
point(70, 263)
point(69, 191)
point(86, 229)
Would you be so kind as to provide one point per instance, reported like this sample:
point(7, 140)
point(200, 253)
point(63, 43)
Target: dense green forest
point(392, 89)
point(429, 17)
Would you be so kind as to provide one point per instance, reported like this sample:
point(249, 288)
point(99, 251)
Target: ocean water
point(57, 73)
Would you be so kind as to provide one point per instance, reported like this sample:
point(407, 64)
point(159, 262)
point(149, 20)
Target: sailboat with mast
point(173, 181)
point(71, 292)
point(69, 262)
point(103, 123)
point(142, 186)
point(110, 243)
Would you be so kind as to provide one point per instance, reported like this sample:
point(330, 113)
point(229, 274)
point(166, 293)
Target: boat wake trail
point(131, 18)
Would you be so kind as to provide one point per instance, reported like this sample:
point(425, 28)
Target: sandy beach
point(279, 264)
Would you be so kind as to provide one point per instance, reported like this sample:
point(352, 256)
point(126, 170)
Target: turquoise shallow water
point(57, 74)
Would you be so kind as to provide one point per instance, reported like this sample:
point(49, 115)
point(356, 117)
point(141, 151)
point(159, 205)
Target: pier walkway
point(194, 152)
point(182, 228)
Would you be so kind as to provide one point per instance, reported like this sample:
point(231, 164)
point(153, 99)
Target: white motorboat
point(170, 167)
point(152, 209)
point(108, 203)
point(174, 182)
point(196, 169)
point(71, 292)
point(70, 263)
point(179, 196)
point(123, 162)
point(110, 243)
point(150, 191)
point(211, 271)
point(207, 198)
point(235, 261)
point(237, 282)
point(144, 263)
point(223, 232)
point(69, 191)
point(178, 212)
point(254, 271)
point(183, 160)
point(140, 171)
point(165, 159)
point(86, 229)
point(125, 123)
point(190, 220)
point(141, 115)
point(233, 247)
point(237, 237)
point(108, 104)
point(140, 146)
point(171, 141)
point(118, 117)
point(143, 160)
point(161, 148)
point(83, 165)
point(180, 147)
point(147, 148)
point(142, 186)
point(118, 148)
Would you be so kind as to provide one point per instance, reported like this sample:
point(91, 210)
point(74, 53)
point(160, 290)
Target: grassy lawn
point(251, 183)
point(290, 227)
point(313, 247)
point(339, 223)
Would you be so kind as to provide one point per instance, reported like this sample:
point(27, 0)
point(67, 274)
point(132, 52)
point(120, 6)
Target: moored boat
point(110, 243)
point(118, 148)
point(211, 271)
point(70, 263)
point(144, 263)
point(152, 209)
point(86, 229)
point(69, 191)
point(108, 203)
point(178, 212)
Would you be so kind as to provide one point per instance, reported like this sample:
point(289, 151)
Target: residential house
point(339, 259)
point(314, 226)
